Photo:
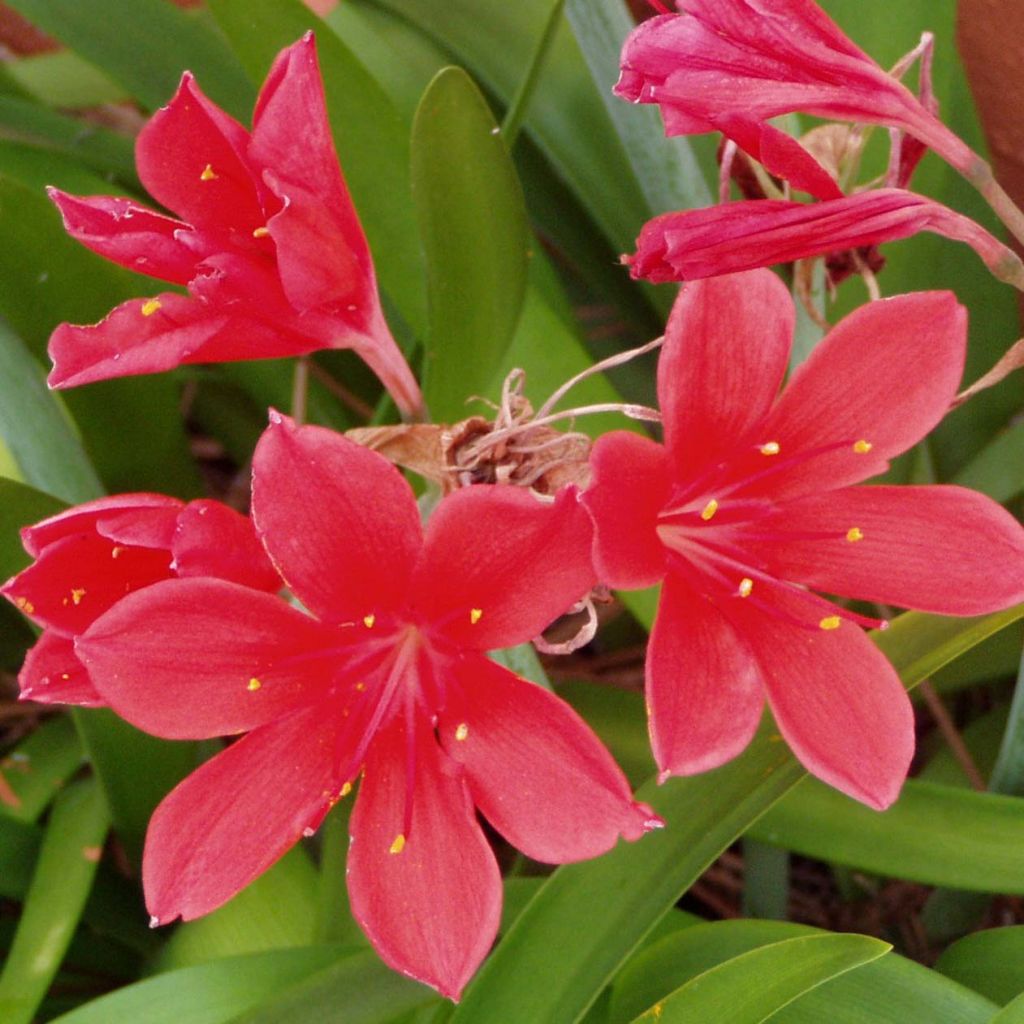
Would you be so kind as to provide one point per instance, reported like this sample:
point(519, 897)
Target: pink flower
point(757, 233)
point(747, 508)
point(268, 245)
point(89, 557)
point(386, 677)
point(730, 65)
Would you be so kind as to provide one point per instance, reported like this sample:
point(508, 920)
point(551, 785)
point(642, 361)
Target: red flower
point(730, 65)
point(269, 244)
point(387, 677)
point(757, 233)
point(91, 556)
point(747, 508)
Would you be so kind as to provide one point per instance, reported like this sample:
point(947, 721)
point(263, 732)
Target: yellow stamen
point(253, 685)
point(261, 232)
point(345, 790)
point(398, 845)
point(854, 534)
point(862, 447)
point(208, 174)
point(360, 687)
point(65, 676)
point(369, 620)
point(116, 552)
point(475, 615)
point(832, 622)
point(25, 605)
point(746, 586)
point(77, 594)
point(461, 731)
point(149, 308)
point(771, 448)
point(709, 510)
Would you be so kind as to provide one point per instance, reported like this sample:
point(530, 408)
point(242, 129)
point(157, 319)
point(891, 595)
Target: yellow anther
point(854, 534)
point(771, 448)
point(261, 232)
point(831, 622)
point(345, 790)
point(369, 620)
point(25, 605)
point(150, 307)
point(746, 586)
point(398, 845)
point(208, 174)
point(475, 614)
point(65, 676)
point(254, 684)
point(360, 687)
point(862, 447)
point(77, 593)
point(461, 731)
point(709, 510)
point(116, 552)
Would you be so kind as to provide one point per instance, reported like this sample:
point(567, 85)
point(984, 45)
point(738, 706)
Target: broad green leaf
point(372, 139)
point(20, 506)
point(990, 962)
point(889, 990)
point(1012, 1013)
point(47, 450)
point(475, 236)
point(565, 947)
point(64, 80)
point(213, 993)
point(60, 885)
point(37, 768)
point(752, 987)
point(145, 45)
point(933, 834)
point(998, 469)
point(19, 847)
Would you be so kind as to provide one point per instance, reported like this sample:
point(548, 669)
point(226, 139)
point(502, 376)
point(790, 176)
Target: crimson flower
point(386, 677)
point(730, 65)
point(269, 244)
point(746, 509)
point(89, 557)
point(746, 234)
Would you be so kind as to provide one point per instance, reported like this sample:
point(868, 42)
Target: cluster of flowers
point(347, 642)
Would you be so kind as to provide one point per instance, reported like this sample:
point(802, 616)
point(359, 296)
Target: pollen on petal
point(709, 510)
point(77, 593)
point(261, 232)
point(854, 534)
point(115, 552)
point(461, 731)
point(746, 586)
point(25, 605)
point(475, 614)
point(862, 447)
point(369, 620)
point(150, 307)
point(830, 622)
point(345, 790)
point(209, 174)
point(254, 684)
point(771, 448)
point(398, 845)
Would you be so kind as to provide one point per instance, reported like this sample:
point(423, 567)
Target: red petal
point(704, 692)
point(131, 235)
point(188, 659)
point(213, 540)
point(233, 818)
point(431, 909)
point(631, 485)
point(534, 768)
point(76, 579)
point(498, 566)
point(338, 520)
point(52, 674)
point(726, 350)
point(88, 517)
point(886, 375)
point(837, 701)
point(941, 549)
point(191, 159)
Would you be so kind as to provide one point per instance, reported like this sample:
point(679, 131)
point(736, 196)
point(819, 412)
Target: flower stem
point(300, 389)
point(521, 101)
point(982, 178)
point(334, 921)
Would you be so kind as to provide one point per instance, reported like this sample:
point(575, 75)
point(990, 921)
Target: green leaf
point(39, 766)
point(750, 988)
point(1012, 1013)
point(990, 962)
point(998, 469)
point(55, 900)
point(19, 847)
point(20, 506)
point(213, 993)
point(475, 236)
point(64, 80)
point(145, 45)
point(889, 990)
